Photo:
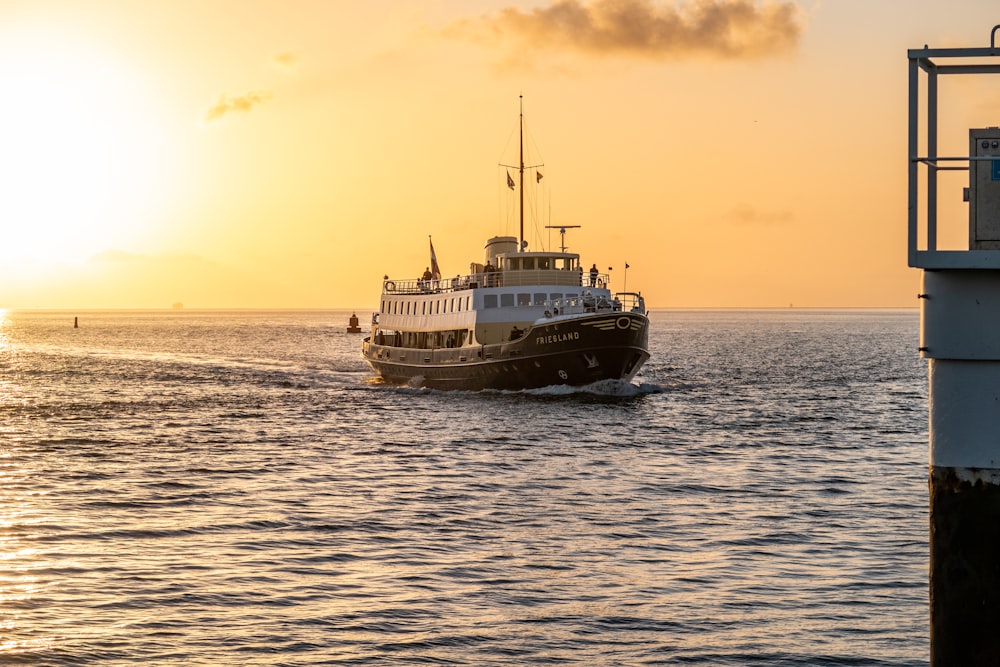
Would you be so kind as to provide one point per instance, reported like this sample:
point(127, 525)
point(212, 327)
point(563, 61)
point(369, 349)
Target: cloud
point(285, 60)
point(727, 29)
point(242, 103)
point(749, 216)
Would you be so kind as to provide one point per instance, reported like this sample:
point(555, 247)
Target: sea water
point(235, 488)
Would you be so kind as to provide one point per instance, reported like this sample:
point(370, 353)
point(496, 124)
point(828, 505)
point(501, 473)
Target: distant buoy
point(352, 324)
point(76, 323)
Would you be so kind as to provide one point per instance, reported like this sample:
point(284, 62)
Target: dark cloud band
point(719, 28)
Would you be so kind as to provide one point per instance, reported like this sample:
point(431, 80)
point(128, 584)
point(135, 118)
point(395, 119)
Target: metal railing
point(492, 279)
point(968, 61)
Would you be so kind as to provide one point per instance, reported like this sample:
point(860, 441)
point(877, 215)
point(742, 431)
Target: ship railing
point(631, 302)
point(498, 278)
point(523, 278)
point(577, 305)
point(458, 283)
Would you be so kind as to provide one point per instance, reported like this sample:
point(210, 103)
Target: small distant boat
point(353, 324)
point(521, 320)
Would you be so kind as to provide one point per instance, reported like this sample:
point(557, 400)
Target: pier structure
point(960, 338)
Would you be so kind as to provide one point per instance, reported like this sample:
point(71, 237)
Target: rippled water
point(232, 488)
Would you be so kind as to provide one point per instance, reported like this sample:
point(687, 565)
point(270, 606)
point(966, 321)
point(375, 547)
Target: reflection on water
point(207, 488)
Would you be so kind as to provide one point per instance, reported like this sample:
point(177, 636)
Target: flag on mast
point(510, 181)
point(435, 269)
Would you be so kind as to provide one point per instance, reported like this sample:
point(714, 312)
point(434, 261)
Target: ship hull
point(572, 351)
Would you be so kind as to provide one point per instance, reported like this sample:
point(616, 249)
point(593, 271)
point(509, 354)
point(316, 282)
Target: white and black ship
point(519, 320)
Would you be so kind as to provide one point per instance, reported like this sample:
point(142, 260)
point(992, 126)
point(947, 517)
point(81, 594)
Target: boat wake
point(605, 388)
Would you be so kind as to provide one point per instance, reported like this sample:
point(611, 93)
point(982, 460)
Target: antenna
point(562, 234)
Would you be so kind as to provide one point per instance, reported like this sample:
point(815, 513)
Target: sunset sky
point(289, 154)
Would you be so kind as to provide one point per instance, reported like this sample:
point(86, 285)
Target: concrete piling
point(960, 338)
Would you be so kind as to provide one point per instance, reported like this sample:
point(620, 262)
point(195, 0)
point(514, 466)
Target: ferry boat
point(520, 320)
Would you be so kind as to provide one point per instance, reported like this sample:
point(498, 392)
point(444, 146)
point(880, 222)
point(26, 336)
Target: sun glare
point(77, 152)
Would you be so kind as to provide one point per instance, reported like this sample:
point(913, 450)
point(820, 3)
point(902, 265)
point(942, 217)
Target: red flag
point(510, 181)
point(435, 269)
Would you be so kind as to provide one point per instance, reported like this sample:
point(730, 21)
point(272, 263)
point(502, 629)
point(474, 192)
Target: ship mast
point(520, 174)
point(520, 166)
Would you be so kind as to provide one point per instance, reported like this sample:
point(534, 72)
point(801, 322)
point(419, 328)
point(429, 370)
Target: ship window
point(555, 297)
point(490, 301)
point(513, 263)
point(506, 300)
point(437, 307)
point(524, 299)
point(543, 263)
point(528, 263)
point(467, 302)
point(540, 298)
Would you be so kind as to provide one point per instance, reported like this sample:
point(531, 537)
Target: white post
point(960, 338)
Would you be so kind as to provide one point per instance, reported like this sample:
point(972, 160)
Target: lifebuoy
point(390, 286)
point(600, 284)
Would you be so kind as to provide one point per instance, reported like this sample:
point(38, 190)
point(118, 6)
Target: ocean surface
point(234, 488)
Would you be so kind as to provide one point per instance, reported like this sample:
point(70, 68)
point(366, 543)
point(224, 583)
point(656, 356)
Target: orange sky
point(289, 154)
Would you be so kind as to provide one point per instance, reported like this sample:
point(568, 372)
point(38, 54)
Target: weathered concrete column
point(960, 335)
point(960, 338)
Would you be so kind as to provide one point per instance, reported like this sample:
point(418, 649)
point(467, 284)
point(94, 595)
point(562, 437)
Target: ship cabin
point(496, 302)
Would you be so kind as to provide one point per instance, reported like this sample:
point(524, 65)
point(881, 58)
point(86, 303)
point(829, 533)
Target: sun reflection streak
point(5, 344)
point(20, 584)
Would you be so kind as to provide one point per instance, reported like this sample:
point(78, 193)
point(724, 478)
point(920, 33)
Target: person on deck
point(593, 275)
